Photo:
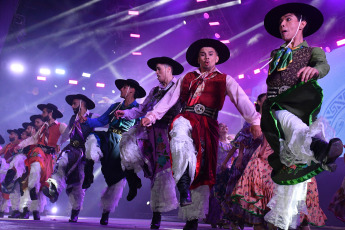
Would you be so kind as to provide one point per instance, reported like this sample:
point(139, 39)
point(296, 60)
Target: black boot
point(36, 215)
point(156, 220)
point(33, 194)
point(74, 216)
point(2, 214)
point(326, 153)
point(88, 170)
point(105, 218)
point(191, 225)
point(183, 187)
point(7, 186)
point(51, 192)
point(25, 214)
point(15, 215)
point(134, 183)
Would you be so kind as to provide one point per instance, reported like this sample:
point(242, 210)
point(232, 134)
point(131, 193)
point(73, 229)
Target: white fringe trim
point(3, 169)
point(111, 196)
point(59, 178)
point(295, 149)
point(38, 205)
point(286, 205)
point(19, 164)
point(35, 176)
point(130, 151)
point(163, 193)
point(199, 208)
point(25, 201)
point(15, 197)
point(183, 152)
point(92, 149)
point(76, 197)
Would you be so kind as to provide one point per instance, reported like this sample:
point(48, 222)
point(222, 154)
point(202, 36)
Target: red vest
point(214, 93)
point(54, 135)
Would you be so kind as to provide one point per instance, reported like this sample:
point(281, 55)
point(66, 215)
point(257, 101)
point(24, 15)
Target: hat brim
point(9, 131)
point(57, 113)
point(89, 103)
point(177, 67)
point(312, 15)
point(2, 141)
point(140, 91)
point(27, 124)
point(34, 117)
point(192, 54)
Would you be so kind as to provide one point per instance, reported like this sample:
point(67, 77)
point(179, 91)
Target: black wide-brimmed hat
point(21, 130)
point(89, 103)
point(52, 107)
point(26, 124)
point(176, 67)
point(140, 91)
point(34, 117)
point(9, 131)
point(309, 13)
point(194, 49)
point(2, 141)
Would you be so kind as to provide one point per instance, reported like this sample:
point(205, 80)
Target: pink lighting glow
point(206, 16)
point(73, 82)
point(41, 78)
point(101, 85)
point(217, 35)
point(133, 12)
point(341, 42)
point(136, 53)
point(256, 71)
point(214, 23)
point(241, 76)
point(225, 41)
point(201, 0)
point(134, 35)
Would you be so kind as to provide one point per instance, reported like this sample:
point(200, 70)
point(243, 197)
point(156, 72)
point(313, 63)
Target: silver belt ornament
point(199, 109)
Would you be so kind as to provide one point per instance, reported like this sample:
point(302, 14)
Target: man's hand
point(307, 73)
point(145, 122)
point(238, 163)
point(119, 113)
point(256, 131)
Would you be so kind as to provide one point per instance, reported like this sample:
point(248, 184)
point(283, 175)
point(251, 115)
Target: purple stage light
point(100, 85)
point(341, 42)
point(225, 41)
point(201, 0)
point(73, 82)
point(214, 23)
point(133, 12)
point(136, 53)
point(217, 35)
point(17, 68)
point(60, 71)
point(41, 78)
point(134, 35)
point(241, 76)
point(86, 74)
point(327, 49)
point(45, 71)
point(256, 71)
point(206, 16)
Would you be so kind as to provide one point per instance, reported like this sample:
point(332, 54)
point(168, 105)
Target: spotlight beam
point(168, 31)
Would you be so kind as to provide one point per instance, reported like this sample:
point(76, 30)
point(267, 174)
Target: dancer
point(69, 169)
point(148, 149)
point(104, 146)
point(294, 100)
point(194, 134)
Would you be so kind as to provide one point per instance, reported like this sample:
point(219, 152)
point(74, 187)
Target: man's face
point(289, 25)
point(38, 123)
point(127, 90)
point(24, 135)
point(208, 58)
point(223, 129)
point(13, 136)
point(30, 130)
point(46, 115)
point(161, 71)
point(75, 105)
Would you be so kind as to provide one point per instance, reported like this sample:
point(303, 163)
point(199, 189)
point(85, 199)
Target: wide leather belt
point(275, 91)
point(202, 110)
point(117, 131)
point(47, 149)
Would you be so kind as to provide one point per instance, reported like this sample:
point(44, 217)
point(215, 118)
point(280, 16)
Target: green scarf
point(281, 59)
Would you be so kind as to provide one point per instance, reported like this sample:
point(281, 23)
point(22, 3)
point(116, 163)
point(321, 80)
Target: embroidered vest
point(86, 130)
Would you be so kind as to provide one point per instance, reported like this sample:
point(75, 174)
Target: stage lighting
point(214, 23)
point(241, 76)
point(101, 85)
point(341, 42)
point(136, 53)
point(17, 68)
point(217, 35)
point(256, 71)
point(184, 22)
point(134, 35)
point(83, 88)
point(60, 71)
point(73, 82)
point(41, 78)
point(45, 71)
point(86, 75)
point(148, 203)
point(225, 41)
point(54, 210)
point(201, 0)
point(327, 49)
point(206, 16)
point(113, 91)
point(55, 86)
point(133, 12)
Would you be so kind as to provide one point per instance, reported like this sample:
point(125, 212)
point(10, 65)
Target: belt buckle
point(283, 89)
point(199, 109)
point(75, 143)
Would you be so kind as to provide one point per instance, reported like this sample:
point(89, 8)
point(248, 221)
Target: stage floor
point(61, 223)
